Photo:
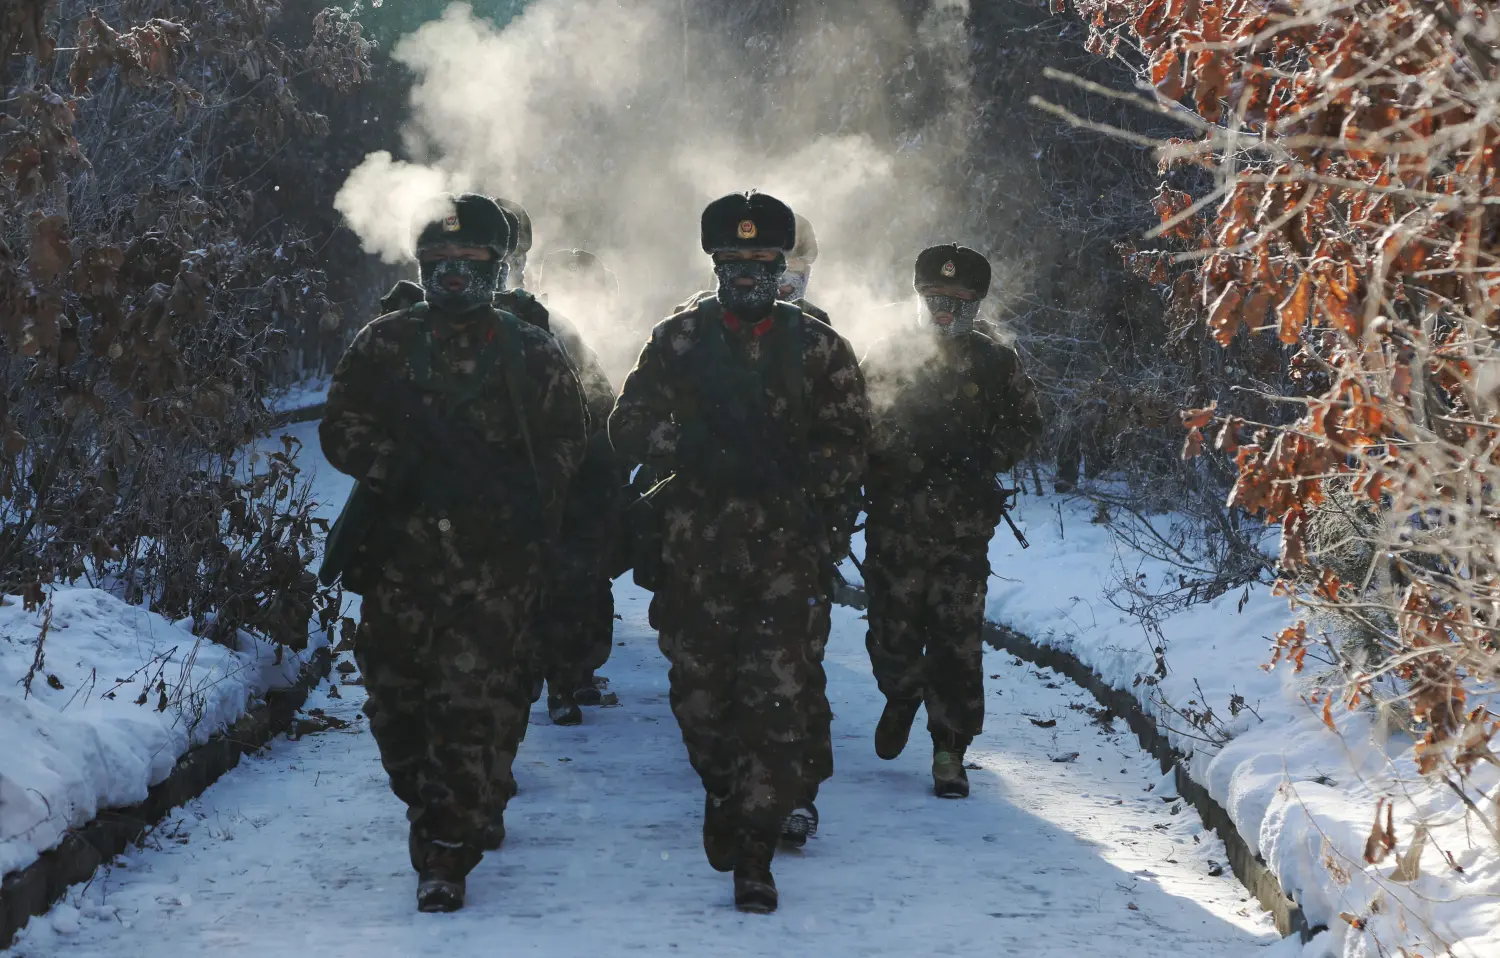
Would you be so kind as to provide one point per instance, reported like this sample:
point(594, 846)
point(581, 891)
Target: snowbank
point(1301, 795)
point(308, 392)
point(120, 695)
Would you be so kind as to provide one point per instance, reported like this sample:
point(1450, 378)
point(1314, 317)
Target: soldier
point(838, 514)
point(575, 625)
point(760, 414)
point(956, 408)
point(463, 427)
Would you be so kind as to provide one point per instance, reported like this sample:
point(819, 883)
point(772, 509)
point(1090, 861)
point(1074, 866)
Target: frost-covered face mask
point(793, 286)
point(460, 285)
point(756, 298)
point(949, 315)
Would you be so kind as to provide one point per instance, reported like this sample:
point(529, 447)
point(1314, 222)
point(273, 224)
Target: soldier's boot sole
point(800, 825)
point(949, 780)
point(721, 843)
point(894, 727)
point(440, 895)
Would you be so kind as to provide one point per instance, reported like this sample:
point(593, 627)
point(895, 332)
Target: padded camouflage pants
point(926, 625)
point(742, 680)
point(448, 704)
point(575, 625)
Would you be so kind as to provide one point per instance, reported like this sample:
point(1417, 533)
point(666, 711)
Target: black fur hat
point(472, 220)
point(748, 221)
point(520, 225)
point(951, 265)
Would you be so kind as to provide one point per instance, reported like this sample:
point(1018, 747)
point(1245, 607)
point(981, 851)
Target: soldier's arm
point(559, 430)
point(353, 438)
point(1018, 419)
point(641, 427)
point(839, 419)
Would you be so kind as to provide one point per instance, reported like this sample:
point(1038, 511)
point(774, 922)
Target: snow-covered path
point(302, 850)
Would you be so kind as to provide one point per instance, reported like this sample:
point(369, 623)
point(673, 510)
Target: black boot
point(721, 841)
point(562, 709)
point(800, 825)
point(435, 893)
point(949, 779)
point(894, 726)
point(754, 888)
point(588, 693)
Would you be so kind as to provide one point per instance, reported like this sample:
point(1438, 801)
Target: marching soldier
point(759, 413)
point(957, 409)
point(463, 427)
point(575, 614)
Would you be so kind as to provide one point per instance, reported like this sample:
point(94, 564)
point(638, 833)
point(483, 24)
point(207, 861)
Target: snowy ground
point(121, 693)
point(1301, 795)
point(303, 848)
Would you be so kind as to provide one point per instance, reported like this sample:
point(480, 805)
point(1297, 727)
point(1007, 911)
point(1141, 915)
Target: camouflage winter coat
point(445, 522)
point(949, 415)
point(808, 421)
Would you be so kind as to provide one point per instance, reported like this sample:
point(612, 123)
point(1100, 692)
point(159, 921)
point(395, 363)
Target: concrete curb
point(1248, 867)
point(34, 889)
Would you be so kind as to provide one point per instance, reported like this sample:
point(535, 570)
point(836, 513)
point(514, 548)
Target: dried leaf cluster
point(1351, 220)
point(153, 289)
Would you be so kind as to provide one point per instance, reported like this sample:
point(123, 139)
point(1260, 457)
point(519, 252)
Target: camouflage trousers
point(926, 625)
point(575, 624)
point(744, 678)
point(449, 698)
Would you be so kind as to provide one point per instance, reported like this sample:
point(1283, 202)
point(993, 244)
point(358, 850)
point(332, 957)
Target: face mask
point(481, 279)
point(754, 300)
point(797, 283)
point(964, 313)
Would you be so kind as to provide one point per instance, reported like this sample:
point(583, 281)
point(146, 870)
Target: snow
point(302, 850)
point(78, 742)
point(1301, 795)
point(312, 391)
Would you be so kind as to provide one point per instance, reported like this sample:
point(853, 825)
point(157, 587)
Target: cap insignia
point(949, 270)
point(450, 223)
point(747, 229)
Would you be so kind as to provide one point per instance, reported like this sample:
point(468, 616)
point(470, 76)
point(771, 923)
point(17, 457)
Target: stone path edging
point(34, 889)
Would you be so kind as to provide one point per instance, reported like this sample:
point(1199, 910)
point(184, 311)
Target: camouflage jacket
point(418, 346)
point(711, 527)
point(945, 423)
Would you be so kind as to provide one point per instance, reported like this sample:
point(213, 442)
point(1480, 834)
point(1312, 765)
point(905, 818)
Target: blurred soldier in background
point(956, 409)
point(463, 427)
point(760, 415)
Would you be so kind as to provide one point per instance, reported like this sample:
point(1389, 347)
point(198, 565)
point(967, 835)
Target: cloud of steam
point(614, 123)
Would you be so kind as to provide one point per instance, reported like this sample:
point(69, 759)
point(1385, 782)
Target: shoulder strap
point(788, 333)
point(514, 367)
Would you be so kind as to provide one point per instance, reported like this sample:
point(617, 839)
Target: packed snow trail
point(302, 850)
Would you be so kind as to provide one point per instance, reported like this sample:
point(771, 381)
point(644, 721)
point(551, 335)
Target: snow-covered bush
point(1348, 216)
point(164, 245)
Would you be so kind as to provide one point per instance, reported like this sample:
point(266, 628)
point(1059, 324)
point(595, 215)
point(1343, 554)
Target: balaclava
point(798, 283)
point(964, 311)
point(481, 280)
point(754, 301)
